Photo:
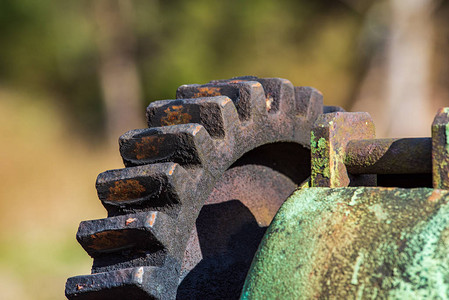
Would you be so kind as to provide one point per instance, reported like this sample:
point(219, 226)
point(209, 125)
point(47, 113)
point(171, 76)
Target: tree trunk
point(397, 88)
point(118, 71)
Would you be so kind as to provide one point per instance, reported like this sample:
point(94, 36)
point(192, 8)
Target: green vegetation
point(58, 47)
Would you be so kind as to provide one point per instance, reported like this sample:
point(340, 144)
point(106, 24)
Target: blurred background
point(75, 75)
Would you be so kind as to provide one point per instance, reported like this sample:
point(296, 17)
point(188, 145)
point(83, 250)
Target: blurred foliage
point(48, 47)
point(51, 46)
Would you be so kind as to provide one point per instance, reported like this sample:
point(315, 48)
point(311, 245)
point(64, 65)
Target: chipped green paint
point(388, 244)
point(428, 267)
point(358, 264)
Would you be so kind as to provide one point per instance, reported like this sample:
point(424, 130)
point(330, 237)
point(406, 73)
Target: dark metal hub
point(234, 218)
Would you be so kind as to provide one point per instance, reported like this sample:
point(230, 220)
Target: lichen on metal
point(329, 136)
point(320, 161)
point(345, 153)
point(355, 243)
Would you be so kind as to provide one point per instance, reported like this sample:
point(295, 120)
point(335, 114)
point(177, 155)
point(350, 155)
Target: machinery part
point(355, 243)
point(440, 149)
point(200, 186)
point(329, 137)
point(344, 153)
point(365, 242)
point(389, 156)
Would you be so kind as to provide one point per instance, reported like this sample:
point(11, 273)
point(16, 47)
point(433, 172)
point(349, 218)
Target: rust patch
point(435, 196)
point(125, 189)
point(129, 221)
point(269, 101)
point(152, 219)
point(172, 169)
point(107, 240)
point(226, 100)
point(207, 92)
point(197, 128)
point(79, 287)
point(148, 147)
point(235, 81)
point(175, 115)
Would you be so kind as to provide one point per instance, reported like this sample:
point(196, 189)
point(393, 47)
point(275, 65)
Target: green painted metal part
point(355, 243)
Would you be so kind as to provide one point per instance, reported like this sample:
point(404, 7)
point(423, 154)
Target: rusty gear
point(223, 156)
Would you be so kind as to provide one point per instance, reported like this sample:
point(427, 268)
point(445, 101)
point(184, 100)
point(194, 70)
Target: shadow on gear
point(229, 235)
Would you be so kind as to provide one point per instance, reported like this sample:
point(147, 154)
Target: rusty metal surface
point(345, 153)
point(172, 169)
point(440, 149)
point(330, 134)
point(355, 243)
point(389, 156)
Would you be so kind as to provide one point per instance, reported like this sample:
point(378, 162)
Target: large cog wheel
point(200, 186)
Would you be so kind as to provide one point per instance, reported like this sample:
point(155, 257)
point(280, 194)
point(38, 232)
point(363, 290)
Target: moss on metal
point(320, 158)
point(355, 243)
point(329, 137)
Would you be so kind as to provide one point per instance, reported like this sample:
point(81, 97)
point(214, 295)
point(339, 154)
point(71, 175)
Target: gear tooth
point(186, 144)
point(131, 283)
point(212, 112)
point(279, 94)
point(172, 112)
point(248, 96)
point(309, 102)
point(142, 187)
point(148, 232)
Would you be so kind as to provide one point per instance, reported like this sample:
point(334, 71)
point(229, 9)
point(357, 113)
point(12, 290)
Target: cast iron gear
point(223, 156)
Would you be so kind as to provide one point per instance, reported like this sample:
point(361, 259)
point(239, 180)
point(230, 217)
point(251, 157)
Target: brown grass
point(47, 186)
